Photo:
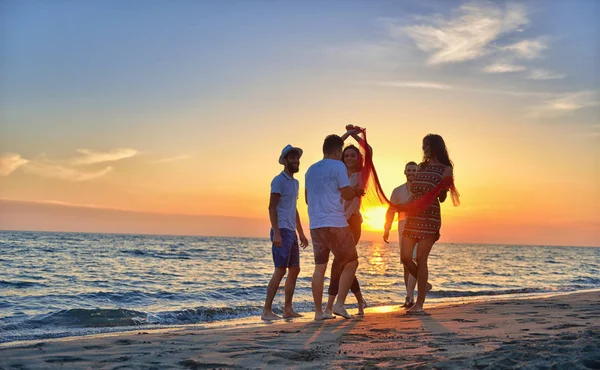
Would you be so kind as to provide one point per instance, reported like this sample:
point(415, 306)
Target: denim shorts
point(288, 255)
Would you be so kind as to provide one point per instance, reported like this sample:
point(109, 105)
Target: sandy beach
point(559, 332)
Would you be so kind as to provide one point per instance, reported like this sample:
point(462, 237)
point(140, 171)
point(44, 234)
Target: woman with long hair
point(435, 172)
point(353, 159)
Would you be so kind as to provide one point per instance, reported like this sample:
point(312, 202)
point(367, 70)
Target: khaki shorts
point(337, 240)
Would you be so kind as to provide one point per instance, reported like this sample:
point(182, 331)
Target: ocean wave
point(592, 281)
point(161, 255)
point(113, 318)
point(473, 283)
point(19, 284)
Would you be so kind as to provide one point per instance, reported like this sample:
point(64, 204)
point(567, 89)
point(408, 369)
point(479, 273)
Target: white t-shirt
point(323, 182)
point(400, 195)
point(287, 187)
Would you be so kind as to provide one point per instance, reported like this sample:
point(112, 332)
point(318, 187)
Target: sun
point(374, 218)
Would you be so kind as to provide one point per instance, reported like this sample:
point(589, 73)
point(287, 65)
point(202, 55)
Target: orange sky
point(193, 122)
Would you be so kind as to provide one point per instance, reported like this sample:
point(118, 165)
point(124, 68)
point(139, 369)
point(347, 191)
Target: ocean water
point(64, 284)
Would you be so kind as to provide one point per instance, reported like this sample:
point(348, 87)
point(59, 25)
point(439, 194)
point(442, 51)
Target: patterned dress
point(427, 223)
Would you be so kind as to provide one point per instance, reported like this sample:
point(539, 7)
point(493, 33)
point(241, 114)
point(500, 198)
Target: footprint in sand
point(124, 342)
point(464, 320)
point(382, 330)
point(564, 326)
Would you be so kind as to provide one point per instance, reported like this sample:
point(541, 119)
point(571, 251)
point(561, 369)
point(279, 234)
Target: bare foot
point(429, 287)
point(269, 316)
point(323, 316)
point(328, 315)
point(408, 302)
point(361, 307)
point(340, 310)
point(291, 314)
point(416, 310)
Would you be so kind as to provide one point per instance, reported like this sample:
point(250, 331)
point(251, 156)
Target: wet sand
point(560, 332)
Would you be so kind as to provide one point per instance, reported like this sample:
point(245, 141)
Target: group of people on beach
point(334, 187)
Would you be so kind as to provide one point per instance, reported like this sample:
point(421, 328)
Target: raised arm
point(354, 132)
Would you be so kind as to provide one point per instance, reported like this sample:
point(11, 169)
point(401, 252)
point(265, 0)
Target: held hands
point(303, 241)
point(351, 127)
point(353, 130)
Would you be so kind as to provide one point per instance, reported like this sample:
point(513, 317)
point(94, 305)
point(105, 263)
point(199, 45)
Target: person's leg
point(411, 281)
point(425, 246)
point(317, 289)
point(280, 260)
point(346, 279)
point(410, 287)
point(355, 223)
point(291, 238)
point(406, 254)
point(271, 291)
point(343, 248)
point(319, 238)
point(290, 286)
point(334, 282)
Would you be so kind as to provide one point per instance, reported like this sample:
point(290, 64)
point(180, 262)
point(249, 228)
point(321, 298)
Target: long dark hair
point(359, 157)
point(437, 148)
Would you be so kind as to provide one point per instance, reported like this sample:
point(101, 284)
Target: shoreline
point(558, 329)
point(255, 321)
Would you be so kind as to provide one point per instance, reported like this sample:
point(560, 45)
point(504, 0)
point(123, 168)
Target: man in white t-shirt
point(327, 181)
point(285, 221)
point(402, 195)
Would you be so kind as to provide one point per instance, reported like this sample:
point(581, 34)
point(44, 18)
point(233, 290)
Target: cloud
point(527, 49)
point(440, 86)
point(544, 74)
point(10, 162)
point(173, 159)
point(47, 168)
point(69, 169)
point(467, 36)
point(417, 84)
point(504, 68)
point(91, 156)
point(566, 103)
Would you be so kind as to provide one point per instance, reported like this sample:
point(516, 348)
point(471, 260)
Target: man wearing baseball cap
point(284, 223)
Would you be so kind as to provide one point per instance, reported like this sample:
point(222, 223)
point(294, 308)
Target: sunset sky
point(116, 113)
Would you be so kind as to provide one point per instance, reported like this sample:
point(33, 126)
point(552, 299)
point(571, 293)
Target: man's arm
point(389, 218)
point(349, 193)
point(273, 202)
point(303, 240)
